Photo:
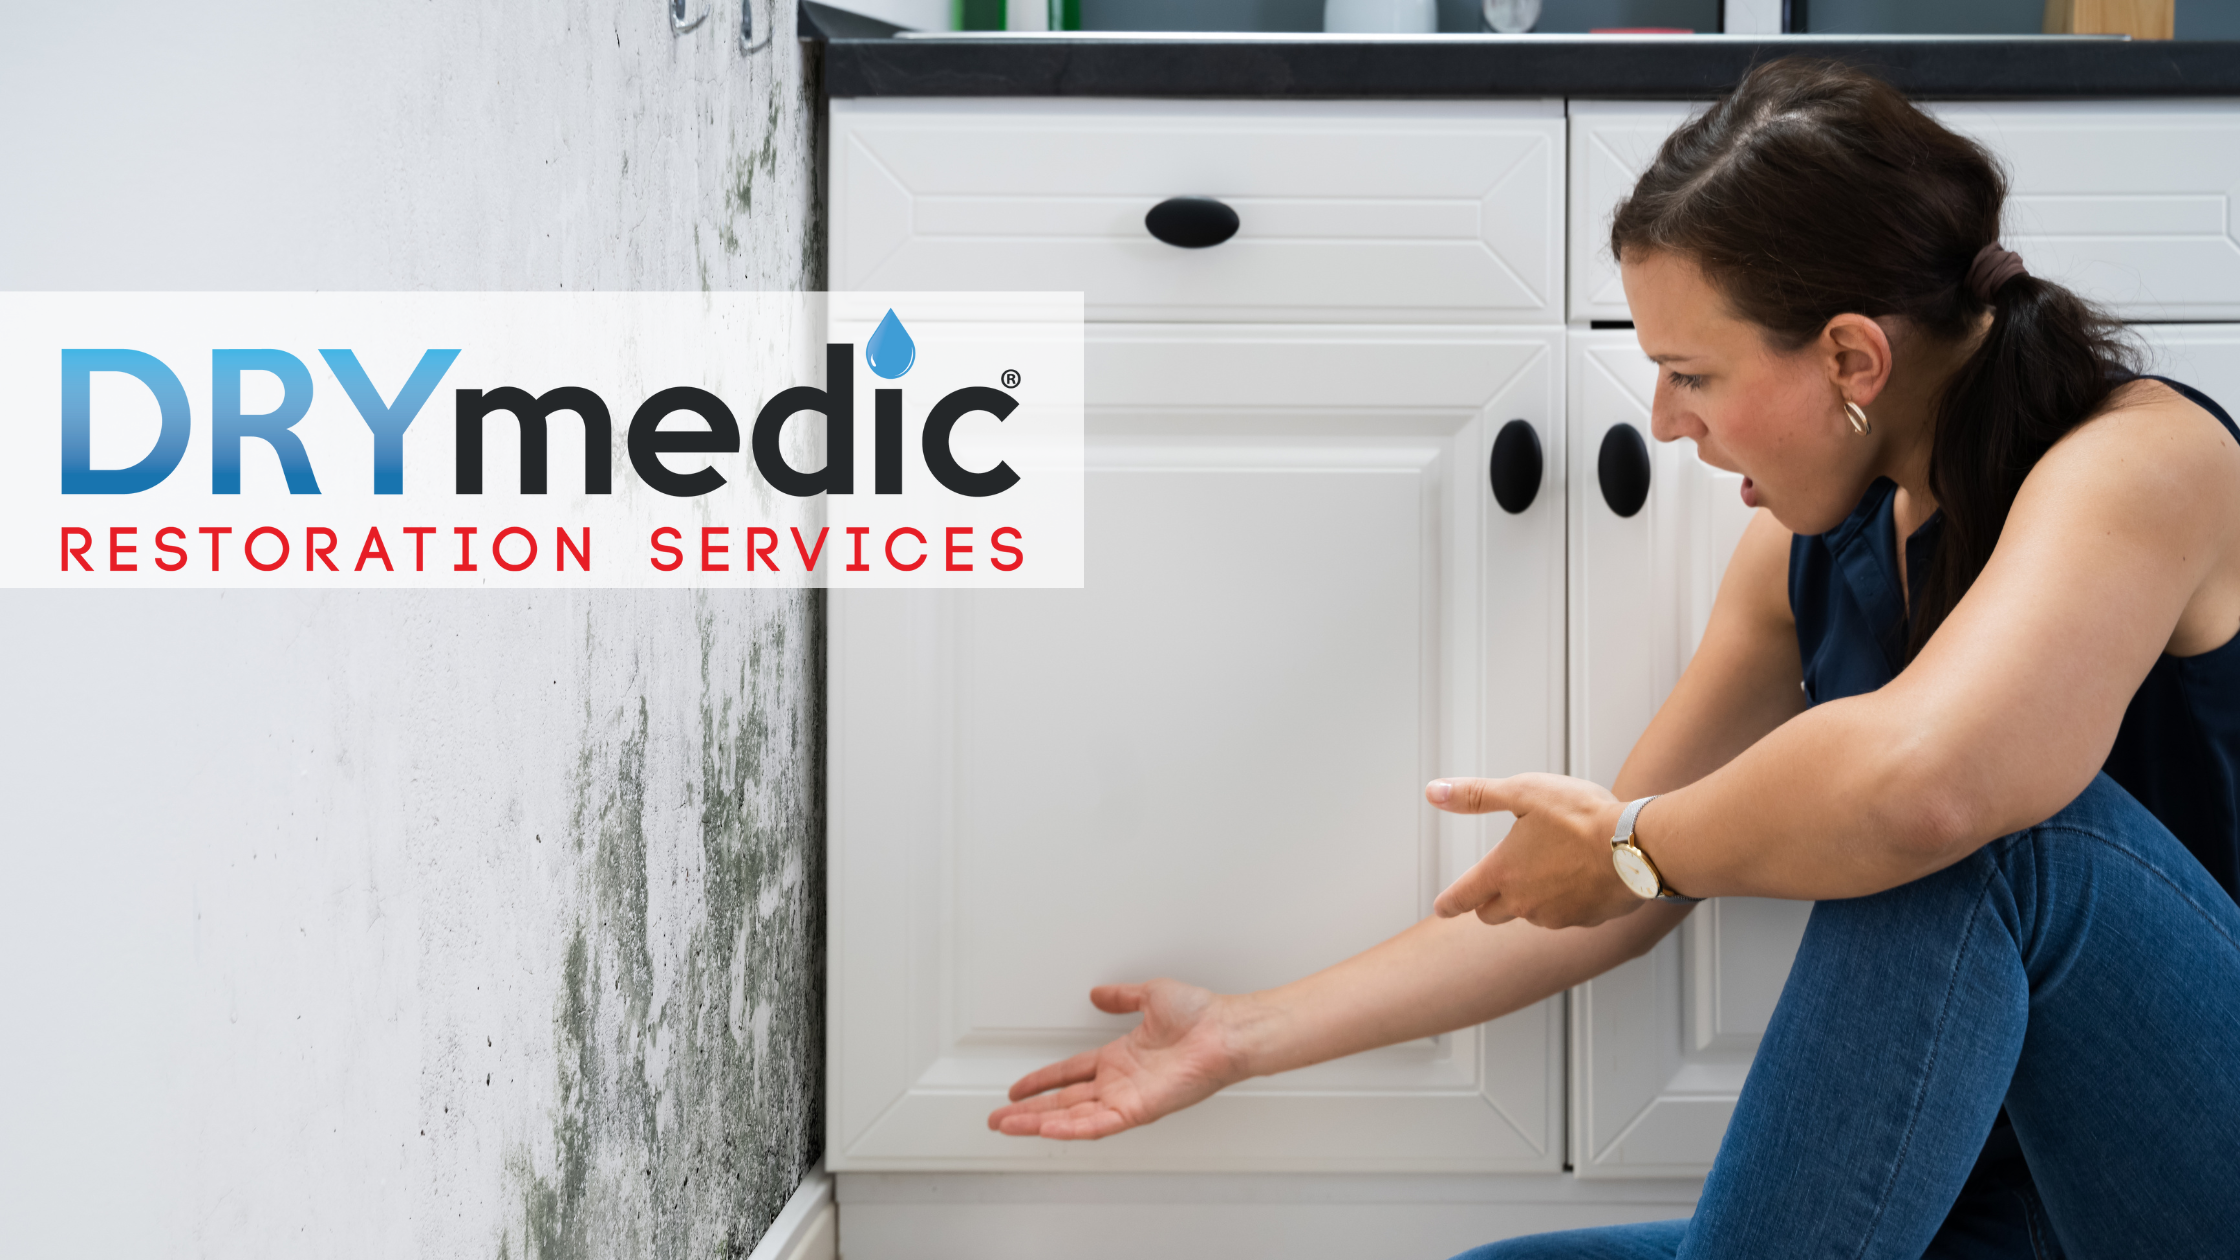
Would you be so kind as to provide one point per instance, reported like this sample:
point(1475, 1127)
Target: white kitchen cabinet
point(2128, 202)
point(1347, 210)
point(1302, 603)
point(1660, 1045)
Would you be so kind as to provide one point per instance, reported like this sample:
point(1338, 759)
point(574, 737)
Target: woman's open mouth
point(1749, 492)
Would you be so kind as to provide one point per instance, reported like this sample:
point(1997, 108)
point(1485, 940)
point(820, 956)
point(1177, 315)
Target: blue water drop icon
point(890, 352)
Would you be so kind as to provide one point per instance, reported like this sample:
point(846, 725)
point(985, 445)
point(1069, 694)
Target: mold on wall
point(434, 923)
point(686, 1045)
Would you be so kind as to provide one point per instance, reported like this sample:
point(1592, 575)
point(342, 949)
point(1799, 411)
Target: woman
point(1989, 564)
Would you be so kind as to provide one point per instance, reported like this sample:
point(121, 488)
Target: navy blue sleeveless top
point(2178, 750)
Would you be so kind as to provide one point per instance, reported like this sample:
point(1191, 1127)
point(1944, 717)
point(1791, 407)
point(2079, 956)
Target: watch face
point(1635, 871)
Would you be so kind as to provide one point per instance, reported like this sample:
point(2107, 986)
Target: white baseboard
point(1091, 1216)
point(808, 1227)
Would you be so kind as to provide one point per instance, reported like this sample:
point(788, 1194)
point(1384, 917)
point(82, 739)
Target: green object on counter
point(978, 15)
point(1065, 15)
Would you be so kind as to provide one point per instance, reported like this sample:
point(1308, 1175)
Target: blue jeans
point(2085, 973)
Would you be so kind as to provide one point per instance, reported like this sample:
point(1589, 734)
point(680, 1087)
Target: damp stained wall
point(443, 924)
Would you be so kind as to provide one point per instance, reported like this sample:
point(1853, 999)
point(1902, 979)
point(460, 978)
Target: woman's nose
point(1669, 421)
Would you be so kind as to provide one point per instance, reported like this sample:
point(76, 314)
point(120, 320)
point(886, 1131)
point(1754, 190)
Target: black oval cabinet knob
point(1191, 222)
point(1623, 469)
point(1515, 467)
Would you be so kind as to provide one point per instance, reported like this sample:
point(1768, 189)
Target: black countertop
point(860, 59)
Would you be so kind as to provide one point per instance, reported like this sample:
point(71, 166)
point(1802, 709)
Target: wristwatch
point(1634, 867)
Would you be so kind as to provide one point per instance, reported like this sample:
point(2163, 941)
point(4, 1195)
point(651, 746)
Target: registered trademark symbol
point(1010, 379)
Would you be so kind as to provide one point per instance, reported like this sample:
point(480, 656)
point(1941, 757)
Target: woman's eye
point(1683, 381)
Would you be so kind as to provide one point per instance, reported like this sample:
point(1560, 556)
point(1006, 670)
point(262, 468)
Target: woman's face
point(1774, 416)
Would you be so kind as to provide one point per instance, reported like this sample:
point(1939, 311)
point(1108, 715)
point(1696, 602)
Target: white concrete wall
point(381, 925)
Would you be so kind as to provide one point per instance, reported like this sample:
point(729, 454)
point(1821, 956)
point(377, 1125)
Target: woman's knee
point(2105, 854)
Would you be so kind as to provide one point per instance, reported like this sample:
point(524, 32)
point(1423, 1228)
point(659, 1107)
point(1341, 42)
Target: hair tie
point(1994, 266)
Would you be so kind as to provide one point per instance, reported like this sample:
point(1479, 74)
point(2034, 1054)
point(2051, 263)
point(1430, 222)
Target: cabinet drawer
point(1380, 210)
point(2129, 203)
point(2205, 356)
point(1612, 142)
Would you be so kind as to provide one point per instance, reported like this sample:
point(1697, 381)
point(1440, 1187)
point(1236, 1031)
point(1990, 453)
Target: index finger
point(1473, 889)
point(1081, 1067)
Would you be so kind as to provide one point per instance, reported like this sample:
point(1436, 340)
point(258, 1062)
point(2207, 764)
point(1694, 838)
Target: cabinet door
point(1661, 1044)
point(1302, 603)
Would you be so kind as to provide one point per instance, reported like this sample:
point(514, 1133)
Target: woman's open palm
point(1183, 1051)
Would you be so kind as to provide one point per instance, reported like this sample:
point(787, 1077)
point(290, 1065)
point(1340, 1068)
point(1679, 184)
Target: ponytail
point(2048, 362)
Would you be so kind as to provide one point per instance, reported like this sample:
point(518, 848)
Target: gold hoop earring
point(1858, 418)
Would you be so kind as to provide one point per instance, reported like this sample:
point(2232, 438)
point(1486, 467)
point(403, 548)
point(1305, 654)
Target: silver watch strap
point(1626, 819)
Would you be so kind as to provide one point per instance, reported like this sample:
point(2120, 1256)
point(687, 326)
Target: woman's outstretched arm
point(1441, 974)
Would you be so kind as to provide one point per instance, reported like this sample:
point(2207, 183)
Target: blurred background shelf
point(2180, 19)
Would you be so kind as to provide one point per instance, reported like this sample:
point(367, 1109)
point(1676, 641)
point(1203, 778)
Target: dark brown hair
point(1815, 190)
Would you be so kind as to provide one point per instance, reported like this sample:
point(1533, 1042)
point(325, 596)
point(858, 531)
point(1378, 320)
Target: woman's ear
point(1857, 353)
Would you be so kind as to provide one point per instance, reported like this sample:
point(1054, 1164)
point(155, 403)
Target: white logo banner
point(391, 440)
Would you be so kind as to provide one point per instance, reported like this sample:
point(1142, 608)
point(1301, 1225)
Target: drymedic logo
point(540, 440)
